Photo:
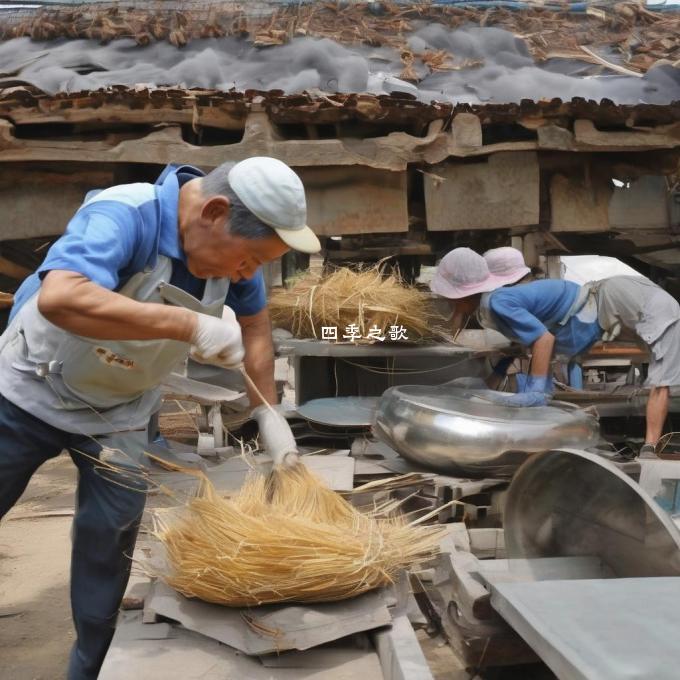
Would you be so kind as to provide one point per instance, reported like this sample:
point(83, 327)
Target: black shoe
point(648, 451)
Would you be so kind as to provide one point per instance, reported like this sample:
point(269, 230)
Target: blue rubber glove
point(525, 399)
point(530, 383)
point(521, 379)
point(539, 383)
point(532, 390)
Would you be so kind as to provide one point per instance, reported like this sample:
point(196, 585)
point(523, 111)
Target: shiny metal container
point(571, 503)
point(458, 431)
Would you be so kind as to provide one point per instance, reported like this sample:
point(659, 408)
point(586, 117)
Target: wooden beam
point(13, 270)
point(466, 130)
point(392, 152)
point(6, 300)
point(588, 138)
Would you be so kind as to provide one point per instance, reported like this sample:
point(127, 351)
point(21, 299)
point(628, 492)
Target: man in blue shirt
point(138, 282)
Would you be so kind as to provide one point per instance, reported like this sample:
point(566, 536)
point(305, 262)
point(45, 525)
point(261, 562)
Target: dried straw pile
point(282, 538)
point(364, 297)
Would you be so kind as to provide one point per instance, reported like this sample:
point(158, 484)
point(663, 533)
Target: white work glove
point(276, 436)
point(218, 341)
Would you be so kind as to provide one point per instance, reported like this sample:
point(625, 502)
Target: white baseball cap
point(506, 264)
point(275, 195)
point(462, 272)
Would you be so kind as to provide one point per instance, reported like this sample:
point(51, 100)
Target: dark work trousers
point(105, 525)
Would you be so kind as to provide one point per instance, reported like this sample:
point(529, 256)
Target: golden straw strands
point(363, 297)
point(182, 423)
point(283, 538)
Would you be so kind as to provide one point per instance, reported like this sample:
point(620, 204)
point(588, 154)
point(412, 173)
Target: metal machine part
point(340, 411)
point(571, 502)
point(454, 430)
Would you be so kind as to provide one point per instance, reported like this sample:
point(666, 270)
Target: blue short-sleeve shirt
point(526, 312)
point(121, 231)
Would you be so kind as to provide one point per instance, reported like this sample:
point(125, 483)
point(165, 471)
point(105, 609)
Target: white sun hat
point(506, 264)
point(462, 272)
point(275, 195)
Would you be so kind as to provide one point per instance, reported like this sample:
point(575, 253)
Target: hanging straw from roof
point(285, 538)
point(364, 297)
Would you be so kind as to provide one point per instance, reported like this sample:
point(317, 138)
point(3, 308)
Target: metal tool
point(572, 502)
point(340, 411)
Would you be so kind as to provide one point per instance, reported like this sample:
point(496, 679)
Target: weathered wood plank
point(39, 202)
point(356, 200)
point(587, 136)
point(504, 191)
point(466, 130)
point(580, 201)
point(643, 204)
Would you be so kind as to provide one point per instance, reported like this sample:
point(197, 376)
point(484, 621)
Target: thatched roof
point(437, 52)
point(637, 36)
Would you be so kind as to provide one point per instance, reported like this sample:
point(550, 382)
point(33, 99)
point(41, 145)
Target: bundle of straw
point(364, 297)
point(283, 538)
point(180, 424)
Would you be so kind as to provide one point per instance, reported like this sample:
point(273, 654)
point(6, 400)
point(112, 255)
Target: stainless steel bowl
point(458, 431)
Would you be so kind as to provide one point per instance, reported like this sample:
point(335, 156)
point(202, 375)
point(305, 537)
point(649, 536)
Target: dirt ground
point(36, 632)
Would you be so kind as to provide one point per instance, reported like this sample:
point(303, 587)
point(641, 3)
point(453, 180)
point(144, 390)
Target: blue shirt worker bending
point(555, 316)
point(138, 282)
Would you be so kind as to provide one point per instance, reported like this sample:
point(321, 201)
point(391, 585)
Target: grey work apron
point(119, 378)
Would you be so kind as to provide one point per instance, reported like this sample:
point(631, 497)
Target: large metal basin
point(457, 431)
point(572, 502)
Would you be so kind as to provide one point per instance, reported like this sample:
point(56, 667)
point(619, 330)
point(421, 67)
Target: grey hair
point(242, 222)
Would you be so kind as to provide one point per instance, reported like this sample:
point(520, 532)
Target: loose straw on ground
point(364, 297)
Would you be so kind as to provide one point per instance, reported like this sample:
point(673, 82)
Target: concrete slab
point(272, 628)
point(190, 656)
point(401, 656)
point(493, 572)
point(593, 629)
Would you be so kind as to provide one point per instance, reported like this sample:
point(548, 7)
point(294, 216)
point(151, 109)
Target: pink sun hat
point(462, 272)
point(506, 265)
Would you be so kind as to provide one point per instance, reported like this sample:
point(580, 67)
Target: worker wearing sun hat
point(464, 276)
point(506, 265)
point(144, 275)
